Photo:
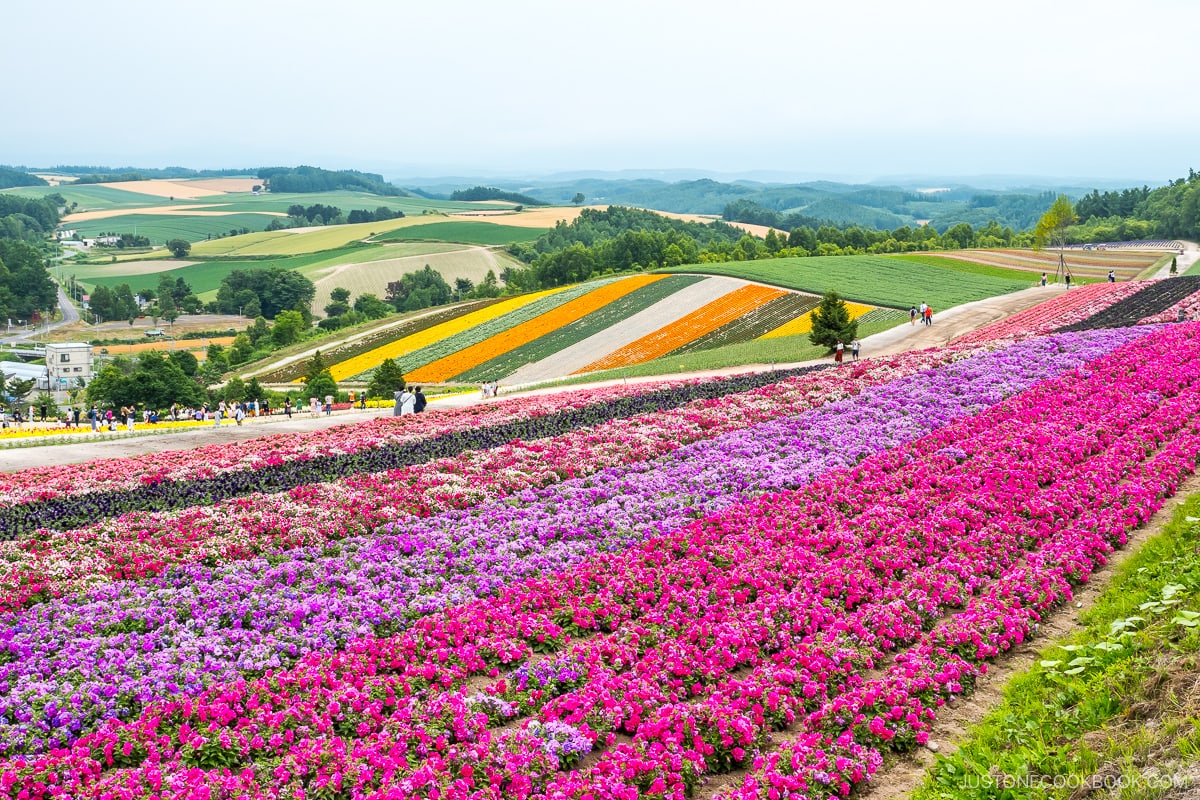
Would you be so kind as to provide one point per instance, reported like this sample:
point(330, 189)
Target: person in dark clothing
point(421, 401)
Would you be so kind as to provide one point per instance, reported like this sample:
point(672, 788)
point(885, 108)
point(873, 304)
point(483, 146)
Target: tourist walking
point(912, 315)
point(287, 407)
point(928, 315)
point(314, 407)
point(94, 418)
point(398, 396)
point(1043, 279)
point(419, 401)
point(1112, 276)
point(408, 402)
point(239, 413)
point(854, 346)
point(837, 353)
point(220, 412)
point(1068, 279)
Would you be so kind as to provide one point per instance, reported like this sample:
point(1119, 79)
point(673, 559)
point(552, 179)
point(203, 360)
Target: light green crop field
point(346, 201)
point(877, 280)
point(297, 242)
point(160, 228)
point(465, 231)
point(93, 197)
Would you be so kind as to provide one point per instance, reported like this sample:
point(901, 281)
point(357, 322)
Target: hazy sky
point(853, 89)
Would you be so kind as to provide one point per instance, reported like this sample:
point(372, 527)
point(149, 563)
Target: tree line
point(478, 193)
point(30, 219)
point(306, 179)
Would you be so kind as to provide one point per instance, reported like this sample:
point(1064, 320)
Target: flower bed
point(706, 319)
point(461, 359)
point(1063, 309)
point(769, 615)
point(762, 320)
point(1188, 306)
point(576, 332)
point(177, 479)
point(1155, 297)
point(197, 624)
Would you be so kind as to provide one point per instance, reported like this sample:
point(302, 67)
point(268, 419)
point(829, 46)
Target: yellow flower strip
point(457, 363)
point(703, 320)
point(372, 358)
point(803, 323)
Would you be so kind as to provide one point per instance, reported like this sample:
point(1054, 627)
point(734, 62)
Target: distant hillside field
point(467, 232)
point(877, 280)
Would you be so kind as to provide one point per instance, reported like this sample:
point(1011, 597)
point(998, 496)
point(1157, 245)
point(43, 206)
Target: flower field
point(615, 593)
point(734, 305)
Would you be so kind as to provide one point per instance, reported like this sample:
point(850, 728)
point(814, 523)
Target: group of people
point(924, 313)
point(838, 350)
point(407, 402)
point(489, 389)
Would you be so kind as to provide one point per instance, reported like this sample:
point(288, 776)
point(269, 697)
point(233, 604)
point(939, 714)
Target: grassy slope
point(877, 280)
point(93, 197)
point(486, 233)
point(958, 265)
point(1118, 710)
point(161, 227)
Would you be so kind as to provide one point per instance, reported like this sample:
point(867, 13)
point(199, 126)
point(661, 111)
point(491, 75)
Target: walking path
point(946, 326)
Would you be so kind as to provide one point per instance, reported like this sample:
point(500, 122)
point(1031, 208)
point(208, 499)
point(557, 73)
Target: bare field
point(187, 190)
point(170, 211)
point(1089, 263)
point(471, 263)
point(132, 268)
point(547, 217)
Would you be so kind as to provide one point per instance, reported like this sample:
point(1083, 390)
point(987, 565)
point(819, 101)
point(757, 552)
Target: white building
point(66, 361)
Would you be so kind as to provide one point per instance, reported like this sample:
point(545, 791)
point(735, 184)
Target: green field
point(485, 233)
point(94, 197)
point(971, 268)
point(877, 280)
point(161, 227)
point(290, 243)
point(346, 201)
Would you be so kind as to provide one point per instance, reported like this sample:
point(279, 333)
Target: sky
point(838, 89)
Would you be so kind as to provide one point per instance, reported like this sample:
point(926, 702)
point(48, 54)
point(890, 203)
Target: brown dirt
point(184, 189)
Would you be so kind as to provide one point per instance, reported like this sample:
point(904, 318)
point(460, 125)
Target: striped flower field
point(616, 593)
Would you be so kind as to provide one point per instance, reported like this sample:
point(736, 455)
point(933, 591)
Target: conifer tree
point(831, 322)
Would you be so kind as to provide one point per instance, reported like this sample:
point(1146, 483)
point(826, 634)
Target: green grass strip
point(1051, 733)
point(595, 322)
point(484, 233)
point(970, 267)
point(875, 280)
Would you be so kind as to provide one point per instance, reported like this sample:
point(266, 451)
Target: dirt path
point(1190, 255)
point(899, 779)
point(946, 326)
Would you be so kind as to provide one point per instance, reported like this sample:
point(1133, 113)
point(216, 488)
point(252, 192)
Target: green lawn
point(485, 233)
point(877, 280)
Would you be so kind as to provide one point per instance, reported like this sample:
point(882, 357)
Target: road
point(69, 315)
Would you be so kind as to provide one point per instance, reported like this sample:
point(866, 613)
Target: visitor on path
point(94, 418)
point(362, 401)
point(922, 311)
point(408, 402)
point(110, 419)
point(1068, 279)
point(854, 346)
point(928, 314)
point(837, 353)
point(287, 407)
point(314, 407)
point(43, 410)
point(221, 409)
point(328, 404)
point(912, 315)
point(239, 414)
point(419, 401)
point(1043, 279)
point(1112, 276)
point(398, 396)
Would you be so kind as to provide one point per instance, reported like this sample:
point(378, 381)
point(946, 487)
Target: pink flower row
point(686, 610)
point(1064, 309)
point(1190, 306)
point(41, 483)
point(52, 563)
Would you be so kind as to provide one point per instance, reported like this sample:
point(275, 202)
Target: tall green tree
point(831, 322)
point(386, 380)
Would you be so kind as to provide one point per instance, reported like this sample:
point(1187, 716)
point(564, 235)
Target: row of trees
point(27, 218)
point(314, 179)
point(426, 288)
point(300, 216)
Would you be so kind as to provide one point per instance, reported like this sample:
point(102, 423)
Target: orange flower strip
point(678, 333)
point(372, 358)
point(470, 357)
